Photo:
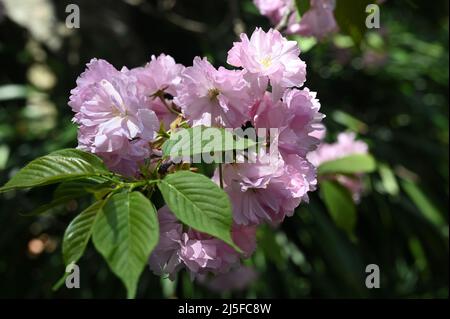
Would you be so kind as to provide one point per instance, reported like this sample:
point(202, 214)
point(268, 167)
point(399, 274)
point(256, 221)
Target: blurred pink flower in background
point(275, 10)
point(345, 145)
point(318, 21)
point(235, 280)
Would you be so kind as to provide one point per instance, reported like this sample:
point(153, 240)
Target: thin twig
point(220, 175)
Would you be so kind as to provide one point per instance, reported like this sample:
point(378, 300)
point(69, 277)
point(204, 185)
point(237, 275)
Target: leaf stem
point(221, 175)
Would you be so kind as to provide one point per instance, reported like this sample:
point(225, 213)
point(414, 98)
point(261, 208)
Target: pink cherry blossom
point(213, 97)
point(161, 74)
point(199, 253)
point(268, 190)
point(297, 117)
point(159, 77)
point(113, 119)
point(268, 55)
point(165, 259)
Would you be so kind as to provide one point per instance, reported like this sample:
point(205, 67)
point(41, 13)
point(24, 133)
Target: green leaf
point(72, 190)
point(199, 203)
point(54, 207)
point(349, 121)
point(4, 155)
point(61, 281)
point(340, 204)
point(78, 233)
point(125, 233)
point(429, 211)
point(201, 140)
point(57, 167)
point(302, 6)
point(351, 17)
point(79, 187)
point(388, 179)
point(358, 163)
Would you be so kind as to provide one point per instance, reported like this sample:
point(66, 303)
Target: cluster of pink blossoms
point(318, 21)
point(345, 145)
point(120, 112)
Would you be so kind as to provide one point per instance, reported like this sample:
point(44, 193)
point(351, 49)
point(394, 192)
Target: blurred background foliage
point(391, 89)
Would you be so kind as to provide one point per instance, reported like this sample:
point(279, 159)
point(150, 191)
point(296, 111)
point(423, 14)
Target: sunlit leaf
point(199, 203)
point(422, 202)
point(358, 163)
point(201, 140)
point(57, 167)
point(125, 233)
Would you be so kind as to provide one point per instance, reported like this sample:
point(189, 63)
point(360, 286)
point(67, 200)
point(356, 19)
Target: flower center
point(266, 62)
point(116, 112)
point(213, 93)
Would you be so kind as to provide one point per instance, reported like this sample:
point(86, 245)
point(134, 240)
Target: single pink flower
point(297, 117)
point(161, 74)
point(157, 79)
point(212, 97)
point(268, 190)
point(270, 56)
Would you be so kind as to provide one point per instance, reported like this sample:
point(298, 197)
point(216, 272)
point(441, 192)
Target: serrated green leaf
point(340, 204)
point(199, 203)
point(72, 190)
point(200, 140)
point(353, 164)
point(56, 167)
point(78, 233)
point(125, 233)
